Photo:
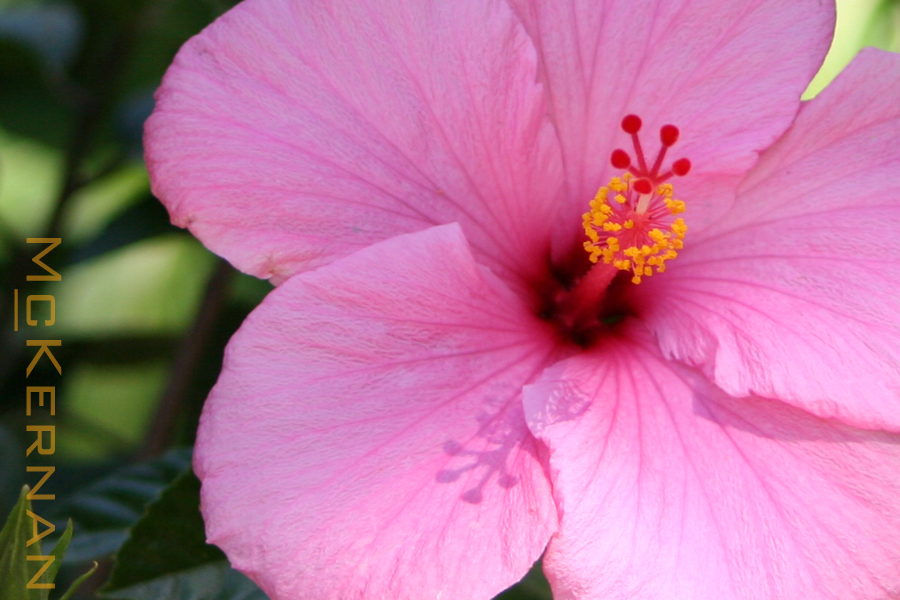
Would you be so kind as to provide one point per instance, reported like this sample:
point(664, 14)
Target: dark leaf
point(214, 581)
point(170, 538)
point(533, 586)
point(105, 510)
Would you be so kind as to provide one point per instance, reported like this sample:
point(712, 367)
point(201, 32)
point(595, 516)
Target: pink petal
point(728, 74)
point(795, 295)
point(366, 437)
point(289, 133)
point(670, 489)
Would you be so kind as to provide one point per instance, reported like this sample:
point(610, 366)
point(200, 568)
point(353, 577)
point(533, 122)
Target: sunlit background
point(143, 309)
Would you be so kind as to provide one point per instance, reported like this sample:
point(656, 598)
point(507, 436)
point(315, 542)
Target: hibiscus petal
point(728, 74)
point(366, 437)
point(794, 293)
point(670, 489)
point(289, 133)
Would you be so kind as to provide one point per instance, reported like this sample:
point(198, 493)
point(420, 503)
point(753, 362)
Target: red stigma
point(681, 167)
point(631, 124)
point(648, 178)
point(620, 159)
point(642, 186)
point(668, 135)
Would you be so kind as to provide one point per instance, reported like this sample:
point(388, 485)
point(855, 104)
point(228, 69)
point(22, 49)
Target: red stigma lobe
point(681, 167)
point(642, 186)
point(631, 124)
point(620, 159)
point(668, 135)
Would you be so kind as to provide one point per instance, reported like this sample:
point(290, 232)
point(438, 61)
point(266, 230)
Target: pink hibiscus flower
point(443, 386)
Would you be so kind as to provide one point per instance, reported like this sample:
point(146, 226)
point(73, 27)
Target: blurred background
point(143, 310)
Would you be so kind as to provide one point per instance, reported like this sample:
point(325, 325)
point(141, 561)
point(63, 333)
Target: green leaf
point(16, 571)
point(105, 510)
point(58, 552)
point(77, 583)
point(168, 539)
point(167, 556)
point(214, 581)
point(533, 586)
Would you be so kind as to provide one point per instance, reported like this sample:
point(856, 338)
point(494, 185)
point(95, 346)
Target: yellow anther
point(675, 206)
point(631, 240)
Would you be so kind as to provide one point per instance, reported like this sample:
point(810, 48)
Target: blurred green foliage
point(144, 311)
point(860, 23)
point(20, 577)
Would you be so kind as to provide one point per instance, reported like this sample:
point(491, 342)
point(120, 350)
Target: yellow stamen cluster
point(633, 240)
